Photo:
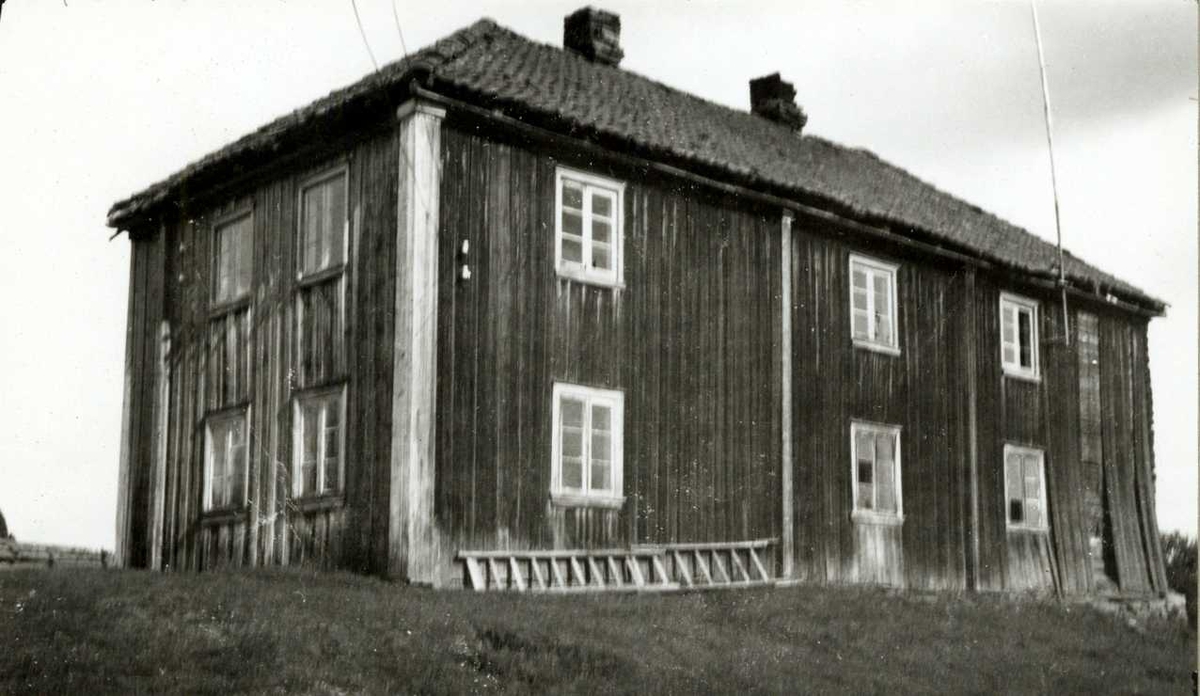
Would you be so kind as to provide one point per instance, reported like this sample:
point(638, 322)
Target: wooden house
point(505, 313)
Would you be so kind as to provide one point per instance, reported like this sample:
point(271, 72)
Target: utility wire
point(362, 32)
point(1062, 271)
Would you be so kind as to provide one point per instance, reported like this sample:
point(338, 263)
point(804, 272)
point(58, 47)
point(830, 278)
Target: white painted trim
point(416, 548)
point(418, 106)
point(1034, 307)
point(583, 271)
point(873, 267)
point(785, 406)
point(874, 515)
point(1010, 448)
point(615, 400)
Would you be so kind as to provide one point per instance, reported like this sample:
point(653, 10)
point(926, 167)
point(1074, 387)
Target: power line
point(362, 32)
point(1062, 271)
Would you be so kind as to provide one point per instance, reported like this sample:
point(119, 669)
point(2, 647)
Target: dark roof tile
point(497, 67)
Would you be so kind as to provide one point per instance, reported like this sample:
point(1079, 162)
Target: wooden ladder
point(646, 568)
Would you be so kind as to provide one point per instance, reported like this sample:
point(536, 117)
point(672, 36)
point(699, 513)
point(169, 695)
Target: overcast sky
point(98, 100)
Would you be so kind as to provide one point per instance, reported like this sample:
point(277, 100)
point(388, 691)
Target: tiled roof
point(495, 67)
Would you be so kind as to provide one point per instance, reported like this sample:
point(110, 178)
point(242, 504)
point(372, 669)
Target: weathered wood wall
point(688, 340)
point(256, 356)
point(922, 390)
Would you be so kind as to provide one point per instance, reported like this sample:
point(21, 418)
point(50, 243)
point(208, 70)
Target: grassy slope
point(90, 631)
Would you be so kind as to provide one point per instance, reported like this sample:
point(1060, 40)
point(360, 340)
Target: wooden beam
point(478, 582)
point(681, 569)
point(414, 549)
point(759, 565)
point(972, 365)
point(597, 574)
point(158, 483)
point(121, 546)
point(785, 406)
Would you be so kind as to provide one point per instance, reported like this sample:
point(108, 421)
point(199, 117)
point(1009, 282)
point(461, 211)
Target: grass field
point(92, 631)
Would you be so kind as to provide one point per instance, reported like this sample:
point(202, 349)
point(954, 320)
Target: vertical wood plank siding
point(688, 340)
point(692, 340)
point(253, 357)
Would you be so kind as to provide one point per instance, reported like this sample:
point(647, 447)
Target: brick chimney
point(594, 34)
point(774, 99)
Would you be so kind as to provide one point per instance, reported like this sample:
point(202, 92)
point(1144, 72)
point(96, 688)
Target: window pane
point(883, 301)
point(602, 204)
point(1033, 512)
point(331, 474)
point(572, 472)
point(237, 474)
point(601, 231)
point(865, 446)
point(1033, 477)
point(572, 196)
point(1024, 322)
point(601, 417)
point(883, 329)
point(1010, 356)
point(601, 258)
point(572, 442)
point(1013, 476)
point(572, 412)
point(1007, 322)
point(601, 476)
point(324, 224)
point(860, 283)
point(865, 501)
point(245, 238)
point(860, 324)
point(572, 223)
point(601, 446)
point(572, 250)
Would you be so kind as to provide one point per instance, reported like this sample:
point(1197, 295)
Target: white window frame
point(1041, 457)
point(583, 270)
point(873, 514)
point(339, 393)
point(209, 422)
point(560, 494)
point(1021, 304)
point(874, 268)
point(218, 227)
point(339, 171)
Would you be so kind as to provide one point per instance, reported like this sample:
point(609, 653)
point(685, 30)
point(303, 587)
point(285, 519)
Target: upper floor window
point(320, 441)
point(1025, 486)
point(873, 304)
point(233, 259)
point(225, 450)
point(586, 461)
point(588, 219)
point(1019, 336)
point(875, 454)
point(323, 222)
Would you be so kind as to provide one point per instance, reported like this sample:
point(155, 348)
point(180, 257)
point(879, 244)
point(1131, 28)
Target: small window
point(586, 457)
point(225, 461)
point(1019, 336)
point(588, 237)
point(233, 259)
point(319, 430)
point(1025, 487)
point(873, 304)
point(323, 223)
point(875, 453)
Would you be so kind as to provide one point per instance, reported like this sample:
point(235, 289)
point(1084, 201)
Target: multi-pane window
point(1025, 487)
point(225, 461)
point(875, 453)
point(873, 304)
point(233, 259)
point(586, 457)
point(323, 223)
point(588, 227)
point(319, 429)
point(1019, 336)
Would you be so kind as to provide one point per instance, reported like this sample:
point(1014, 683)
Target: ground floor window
point(586, 461)
point(225, 450)
point(320, 437)
point(1025, 486)
point(875, 459)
